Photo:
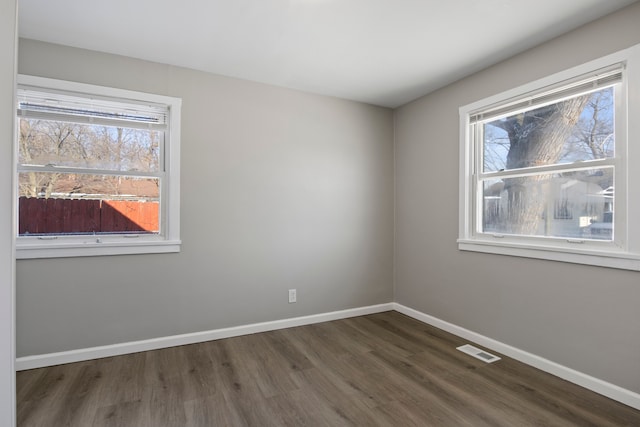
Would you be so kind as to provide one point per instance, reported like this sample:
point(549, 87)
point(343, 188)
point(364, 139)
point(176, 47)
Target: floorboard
point(384, 369)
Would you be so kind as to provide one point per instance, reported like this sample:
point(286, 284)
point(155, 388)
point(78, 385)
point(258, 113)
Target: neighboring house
point(576, 209)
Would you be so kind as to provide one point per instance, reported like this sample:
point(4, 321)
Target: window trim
point(168, 240)
point(625, 253)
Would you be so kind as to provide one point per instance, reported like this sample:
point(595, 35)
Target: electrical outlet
point(292, 296)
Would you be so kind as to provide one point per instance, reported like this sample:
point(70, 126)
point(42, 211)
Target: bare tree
point(536, 138)
point(88, 147)
point(46, 143)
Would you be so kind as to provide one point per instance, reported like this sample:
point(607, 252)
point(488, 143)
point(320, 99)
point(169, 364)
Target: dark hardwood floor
point(379, 370)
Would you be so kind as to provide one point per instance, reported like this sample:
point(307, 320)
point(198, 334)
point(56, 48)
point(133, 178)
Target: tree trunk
point(536, 138)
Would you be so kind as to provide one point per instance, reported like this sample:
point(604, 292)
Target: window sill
point(77, 249)
point(600, 258)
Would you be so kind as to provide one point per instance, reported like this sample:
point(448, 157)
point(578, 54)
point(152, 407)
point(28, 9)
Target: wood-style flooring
point(380, 370)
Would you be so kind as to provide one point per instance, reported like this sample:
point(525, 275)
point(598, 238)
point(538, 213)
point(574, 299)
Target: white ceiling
point(383, 52)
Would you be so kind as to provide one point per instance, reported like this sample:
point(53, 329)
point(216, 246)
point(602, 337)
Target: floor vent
point(478, 354)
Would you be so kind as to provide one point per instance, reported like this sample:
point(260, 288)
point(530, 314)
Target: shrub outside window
point(544, 168)
point(97, 170)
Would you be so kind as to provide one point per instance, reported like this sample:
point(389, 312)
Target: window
point(97, 170)
point(544, 168)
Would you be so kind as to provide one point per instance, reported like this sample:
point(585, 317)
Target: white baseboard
point(604, 388)
point(599, 386)
point(51, 359)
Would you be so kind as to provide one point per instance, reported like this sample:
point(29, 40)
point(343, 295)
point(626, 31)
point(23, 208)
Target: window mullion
point(559, 168)
point(86, 171)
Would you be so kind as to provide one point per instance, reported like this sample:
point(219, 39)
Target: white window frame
point(168, 239)
point(624, 251)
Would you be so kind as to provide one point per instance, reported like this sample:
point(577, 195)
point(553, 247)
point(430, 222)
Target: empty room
point(320, 213)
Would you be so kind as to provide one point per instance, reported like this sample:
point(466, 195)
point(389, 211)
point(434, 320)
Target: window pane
point(573, 205)
point(44, 142)
point(577, 129)
point(55, 203)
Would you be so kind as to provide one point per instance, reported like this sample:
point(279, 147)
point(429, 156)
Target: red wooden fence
point(47, 216)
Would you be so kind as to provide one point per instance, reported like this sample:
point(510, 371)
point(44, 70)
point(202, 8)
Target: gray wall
point(8, 41)
point(567, 313)
point(280, 189)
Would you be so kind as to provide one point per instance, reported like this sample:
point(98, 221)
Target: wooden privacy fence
point(47, 216)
